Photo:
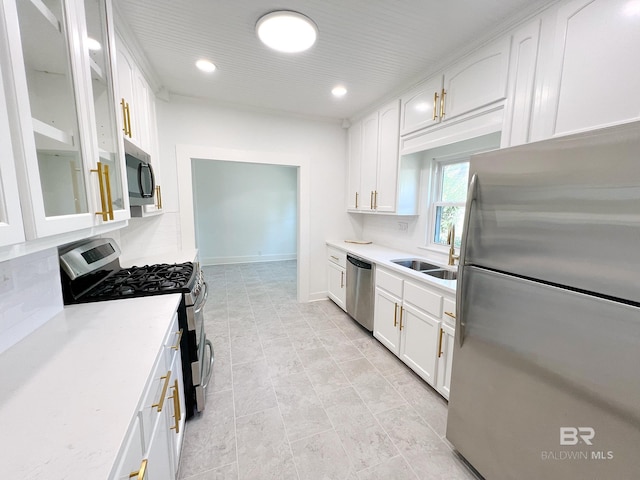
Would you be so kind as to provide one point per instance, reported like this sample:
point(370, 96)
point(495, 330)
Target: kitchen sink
point(415, 264)
point(443, 274)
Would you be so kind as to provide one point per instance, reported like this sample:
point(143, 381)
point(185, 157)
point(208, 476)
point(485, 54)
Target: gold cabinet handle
point(341, 279)
point(335, 258)
point(177, 394)
point(371, 201)
point(375, 199)
point(451, 314)
point(401, 309)
point(139, 475)
point(160, 403)
point(103, 201)
point(108, 190)
point(435, 105)
point(128, 112)
point(177, 344)
point(356, 199)
point(104, 181)
point(440, 343)
point(123, 104)
point(395, 315)
point(442, 103)
point(177, 415)
point(158, 197)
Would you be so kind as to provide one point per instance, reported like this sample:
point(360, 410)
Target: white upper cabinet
point(594, 78)
point(109, 143)
point(11, 229)
point(138, 121)
point(387, 171)
point(354, 195)
point(134, 100)
point(373, 161)
point(475, 82)
point(421, 107)
point(520, 91)
point(369, 162)
point(59, 93)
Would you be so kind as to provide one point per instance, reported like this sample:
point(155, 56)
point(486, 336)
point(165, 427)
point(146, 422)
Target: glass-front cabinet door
point(72, 168)
point(99, 43)
point(11, 229)
point(60, 174)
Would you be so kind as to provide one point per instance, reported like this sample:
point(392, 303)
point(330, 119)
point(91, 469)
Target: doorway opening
point(244, 212)
point(298, 167)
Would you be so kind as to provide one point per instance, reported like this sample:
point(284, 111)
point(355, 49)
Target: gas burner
point(145, 280)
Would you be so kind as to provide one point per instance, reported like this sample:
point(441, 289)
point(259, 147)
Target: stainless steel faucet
point(451, 239)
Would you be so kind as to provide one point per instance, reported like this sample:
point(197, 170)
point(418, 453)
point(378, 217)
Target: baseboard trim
point(248, 259)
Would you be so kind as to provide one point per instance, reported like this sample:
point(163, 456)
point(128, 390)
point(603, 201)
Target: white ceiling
point(373, 47)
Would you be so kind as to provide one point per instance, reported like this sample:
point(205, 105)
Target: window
point(451, 178)
point(448, 171)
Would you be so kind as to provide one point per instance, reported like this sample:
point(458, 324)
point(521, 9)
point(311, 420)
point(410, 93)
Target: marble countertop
point(383, 255)
point(71, 388)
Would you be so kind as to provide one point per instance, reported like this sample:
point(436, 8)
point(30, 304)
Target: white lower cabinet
point(385, 319)
point(419, 342)
point(445, 359)
point(408, 320)
point(151, 450)
point(337, 277)
point(131, 461)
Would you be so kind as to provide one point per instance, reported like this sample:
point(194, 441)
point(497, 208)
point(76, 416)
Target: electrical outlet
point(403, 226)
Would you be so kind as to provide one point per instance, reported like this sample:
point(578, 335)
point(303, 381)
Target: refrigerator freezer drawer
point(540, 367)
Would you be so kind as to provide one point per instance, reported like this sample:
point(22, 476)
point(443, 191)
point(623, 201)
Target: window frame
point(437, 169)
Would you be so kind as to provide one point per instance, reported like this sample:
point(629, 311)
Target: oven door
point(202, 366)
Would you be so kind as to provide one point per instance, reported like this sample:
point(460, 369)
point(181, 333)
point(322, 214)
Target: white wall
point(244, 212)
point(185, 121)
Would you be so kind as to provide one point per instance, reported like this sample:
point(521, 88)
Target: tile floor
point(301, 391)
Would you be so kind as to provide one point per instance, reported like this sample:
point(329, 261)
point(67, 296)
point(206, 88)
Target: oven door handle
point(200, 305)
point(205, 381)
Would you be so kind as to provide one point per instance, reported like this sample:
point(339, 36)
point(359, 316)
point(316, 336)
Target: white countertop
point(383, 255)
point(71, 388)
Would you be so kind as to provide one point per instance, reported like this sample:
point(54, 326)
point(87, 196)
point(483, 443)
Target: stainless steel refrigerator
point(546, 363)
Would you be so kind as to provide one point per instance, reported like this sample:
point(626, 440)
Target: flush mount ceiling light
point(287, 31)
point(205, 65)
point(339, 91)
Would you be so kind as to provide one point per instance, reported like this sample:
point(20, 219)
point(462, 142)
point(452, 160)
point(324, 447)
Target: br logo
point(573, 435)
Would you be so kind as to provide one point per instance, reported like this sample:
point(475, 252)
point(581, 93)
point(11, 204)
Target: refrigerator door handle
point(471, 198)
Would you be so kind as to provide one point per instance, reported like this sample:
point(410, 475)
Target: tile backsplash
point(30, 295)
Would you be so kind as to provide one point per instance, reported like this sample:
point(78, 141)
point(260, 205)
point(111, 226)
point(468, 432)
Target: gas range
point(91, 272)
point(142, 281)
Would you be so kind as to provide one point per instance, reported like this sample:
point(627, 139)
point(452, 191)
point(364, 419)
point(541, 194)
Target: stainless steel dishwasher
point(360, 291)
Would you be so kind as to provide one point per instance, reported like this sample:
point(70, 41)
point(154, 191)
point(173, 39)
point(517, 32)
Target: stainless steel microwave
point(142, 183)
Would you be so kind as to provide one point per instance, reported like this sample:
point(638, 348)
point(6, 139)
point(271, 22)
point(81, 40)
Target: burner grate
point(150, 279)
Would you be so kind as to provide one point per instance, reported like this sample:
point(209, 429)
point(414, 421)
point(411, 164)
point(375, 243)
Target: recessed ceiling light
point(205, 66)
point(339, 91)
point(287, 31)
point(93, 44)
